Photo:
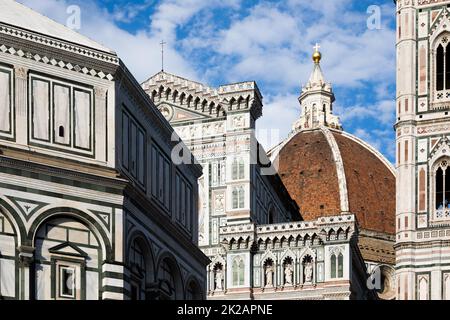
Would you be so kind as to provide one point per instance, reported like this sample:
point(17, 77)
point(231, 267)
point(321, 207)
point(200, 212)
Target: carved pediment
point(440, 149)
point(68, 249)
point(441, 24)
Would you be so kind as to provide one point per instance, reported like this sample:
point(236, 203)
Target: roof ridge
point(363, 143)
point(10, 9)
point(340, 169)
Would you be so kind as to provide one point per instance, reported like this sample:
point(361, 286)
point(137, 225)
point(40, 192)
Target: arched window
point(340, 265)
point(333, 266)
point(238, 169)
point(241, 168)
point(314, 114)
point(241, 197)
point(440, 67)
point(193, 291)
point(167, 278)
point(234, 169)
point(238, 272)
point(238, 196)
point(337, 265)
point(235, 197)
point(442, 189)
point(70, 244)
point(61, 131)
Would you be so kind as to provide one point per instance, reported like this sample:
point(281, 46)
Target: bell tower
point(317, 99)
point(423, 150)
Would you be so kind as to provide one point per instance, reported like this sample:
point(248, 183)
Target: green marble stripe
point(59, 180)
point(58, 195)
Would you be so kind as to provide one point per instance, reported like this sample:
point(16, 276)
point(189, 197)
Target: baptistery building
point(91, 205)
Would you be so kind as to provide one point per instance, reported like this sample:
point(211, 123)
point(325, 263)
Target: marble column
point(21, 102)
point(100, 121)
point(26, 259)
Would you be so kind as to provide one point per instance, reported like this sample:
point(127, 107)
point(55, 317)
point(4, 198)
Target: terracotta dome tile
point(308, 170)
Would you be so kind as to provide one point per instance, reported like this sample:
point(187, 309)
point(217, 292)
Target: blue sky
point(223, 41)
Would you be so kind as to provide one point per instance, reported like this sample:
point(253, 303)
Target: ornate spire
point(317, 100)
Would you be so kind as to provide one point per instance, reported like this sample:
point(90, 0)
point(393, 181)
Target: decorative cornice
point(45, 52)
point(61, 172)
point(58, 44)
point(227, 98)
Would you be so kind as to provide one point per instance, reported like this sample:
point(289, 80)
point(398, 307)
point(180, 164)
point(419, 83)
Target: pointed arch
point(175, 96)
point(182, 97)
point(231, 104)
point(189, 100)
point(153, 96)
point(239, 102)
point(168, 91)
point(211, 108)
point(196, 103)
point(440, 58)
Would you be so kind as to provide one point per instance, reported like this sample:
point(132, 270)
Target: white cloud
point(383, 112)
point(269, 42)
point(279, 113)
point(140, 51)
point(127, 12)
point(379, 139)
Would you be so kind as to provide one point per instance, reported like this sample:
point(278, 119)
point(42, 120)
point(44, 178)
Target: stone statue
point(269, 276)
point(288, 272)
point(219, 279)
point(308, 272)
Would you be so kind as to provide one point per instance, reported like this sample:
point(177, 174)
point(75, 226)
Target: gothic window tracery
point(336, 265)
point(238, 271)
point(314, 114)
point(238, 196)
point(442, 189)
point(441, 65)
point(238, 169)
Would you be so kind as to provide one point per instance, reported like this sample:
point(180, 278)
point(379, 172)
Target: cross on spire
point(317, 47)
point(162, 43)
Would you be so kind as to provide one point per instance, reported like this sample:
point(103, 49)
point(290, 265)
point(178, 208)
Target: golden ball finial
point(317, 56)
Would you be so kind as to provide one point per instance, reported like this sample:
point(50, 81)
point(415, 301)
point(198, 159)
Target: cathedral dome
point(328, 172)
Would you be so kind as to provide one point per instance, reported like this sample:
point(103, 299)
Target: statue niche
point(288, 272)
point(218, 277)
point(269, 271)
point(308, 269)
